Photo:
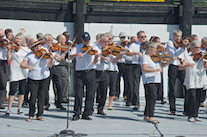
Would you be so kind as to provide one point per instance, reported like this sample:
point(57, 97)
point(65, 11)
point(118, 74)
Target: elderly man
point(4, 69)
point(173, 71)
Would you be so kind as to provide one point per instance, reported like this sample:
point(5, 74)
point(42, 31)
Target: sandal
point(40, 118)
point(29, 119)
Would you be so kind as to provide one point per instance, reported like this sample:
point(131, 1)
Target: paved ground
point(120, 122)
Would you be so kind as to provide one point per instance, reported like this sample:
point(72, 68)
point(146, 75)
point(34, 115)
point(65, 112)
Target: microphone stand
point(67, 131)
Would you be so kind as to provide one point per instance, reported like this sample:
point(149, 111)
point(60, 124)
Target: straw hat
point(34, 42)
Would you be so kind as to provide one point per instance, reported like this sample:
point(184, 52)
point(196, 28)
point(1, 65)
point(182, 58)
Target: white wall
point(55, 28)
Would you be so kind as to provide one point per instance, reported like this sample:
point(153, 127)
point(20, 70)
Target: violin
point(143, 45)
point(54, 47)
point(91, 51)
point(63, 47)
point(161, 49)
point(180, 44)
point(43, 52)
point(3, 43)
point(200, 55)
point(124, 43)
point(165, 57)
point(15, 47)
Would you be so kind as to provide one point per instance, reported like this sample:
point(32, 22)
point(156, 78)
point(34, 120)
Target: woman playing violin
point(17, 76)
point(151, 79)
point(38, 78)
point(195, 81)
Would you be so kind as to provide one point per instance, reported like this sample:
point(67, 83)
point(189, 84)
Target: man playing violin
point(38, 78)
point(85, 75)
point(133, 72)
point(142, 39)
point(102, 75)
point(122, 69)
point(203, 50)
point(173, 72)
point(4, 68)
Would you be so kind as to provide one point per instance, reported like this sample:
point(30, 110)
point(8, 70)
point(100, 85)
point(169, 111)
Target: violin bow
point(91, 46)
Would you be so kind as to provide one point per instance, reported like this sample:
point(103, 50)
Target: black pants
point(123, 71)
point(59, 82)
point(84, 78)
point(173, 74)
point(160, 91)
point(26, 93)
point(112, 83)
point(133, 80)
point(102, 81)
point(192, 105)
point(13, 87)
point(4, 73)
point(38, 89)
point(150, 97)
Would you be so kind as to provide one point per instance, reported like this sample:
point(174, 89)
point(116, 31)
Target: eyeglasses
point(105, 41)
point(110, 38)
point(1, 36)
point(123, 37)
point(197, 47)
point(143, 36)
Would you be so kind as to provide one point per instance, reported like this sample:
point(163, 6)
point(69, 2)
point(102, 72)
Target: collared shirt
point(122, 60)
point(3, 53)
point(173, 52)
point(84, 63)
point(150, 77)
point(101, 64)
point(112, 66)
point(135, 47)
point(128, 59)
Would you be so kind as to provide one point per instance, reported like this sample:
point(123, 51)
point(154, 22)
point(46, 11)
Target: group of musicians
point(34, 63)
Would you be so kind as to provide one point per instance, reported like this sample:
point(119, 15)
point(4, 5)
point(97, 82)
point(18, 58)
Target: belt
point(101, 71)
point(120, 63)
point(87, 70)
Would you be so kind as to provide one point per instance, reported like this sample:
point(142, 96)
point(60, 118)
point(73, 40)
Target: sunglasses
point(143, 36)
point(1, 36)
point(123, 37)
point(110, 38)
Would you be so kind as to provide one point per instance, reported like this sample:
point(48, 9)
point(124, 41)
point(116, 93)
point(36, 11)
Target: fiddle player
point(173, 71)
point(203, 50)
point(151, 79)
point(102, 75)
point(193, 37)
point(9, 34)
point(122, 70)
point(18, 76)
point(134, 71)
point(38, 78)
point(195, 80)
point(85, 75)
point(4, 68)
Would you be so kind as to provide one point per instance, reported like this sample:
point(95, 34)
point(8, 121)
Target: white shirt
point(173, 52)
point(128, 59)
point(195, 77)
point(3, 53)
point(112, 66)
point(122, 60)
point(101, 64)
point(16, 73)
point(135, 47)
point(41, 70)
point(84, 63)
point(150, 77)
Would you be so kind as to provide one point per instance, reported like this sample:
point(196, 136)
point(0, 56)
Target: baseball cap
point(86, 36)
point(122, 34)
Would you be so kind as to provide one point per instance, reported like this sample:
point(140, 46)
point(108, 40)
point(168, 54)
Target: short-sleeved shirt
point(84, 63)
point(150, 77)
point(41, 70)
point(112, 66)
point(135, 47)
point(16, 73)
point(3, 53)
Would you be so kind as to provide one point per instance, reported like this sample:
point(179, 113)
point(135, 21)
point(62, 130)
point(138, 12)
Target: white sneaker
point(8, 112)
point(197, 119)
point(191, 119)
point(20, 112)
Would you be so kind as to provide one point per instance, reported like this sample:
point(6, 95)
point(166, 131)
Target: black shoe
point(172, 113)
point(47, 107)
point(128, 103)
point(86, 117)
point(25, 103)
point(163, 102)
point(101, 113)
point(2, 106)
point(75, 117)
point(136, 108)
point(61, 107)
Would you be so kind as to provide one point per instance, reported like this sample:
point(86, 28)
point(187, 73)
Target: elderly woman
point(38, 78)
point(18, 76)
point(195, 80)
point(151, 79)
